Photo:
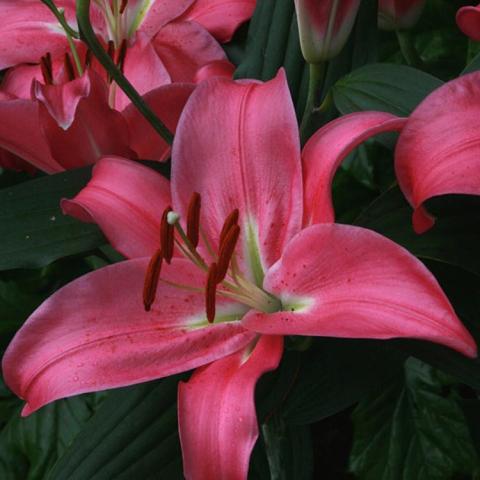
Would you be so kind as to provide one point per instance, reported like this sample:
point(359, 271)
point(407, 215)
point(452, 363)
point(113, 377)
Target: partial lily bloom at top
point(159, 42)
point(468, 20)
point(222, 263)
point(399, 14)
point(324, 26)
point(437, 153)
point(67, 121)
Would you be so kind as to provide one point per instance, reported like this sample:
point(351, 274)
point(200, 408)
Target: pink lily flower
point(159, 41)
point(437, 153)
point(244, 269)
point(68, 121)
point(324, 27)
point(399, 14)
point(468, 20)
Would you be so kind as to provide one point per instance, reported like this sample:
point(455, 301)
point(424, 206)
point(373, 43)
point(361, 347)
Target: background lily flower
point(69, 123)
point(160, 41)
point(252, 271)
point(324, 26)
point(468, 20)
point(437, 153)
point(399, 14)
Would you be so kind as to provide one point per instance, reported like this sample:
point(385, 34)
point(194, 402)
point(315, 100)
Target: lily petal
point(97, 130)
point(154, 14)
point(216, 410)
point(221, 17)
point(325, 151)
point(27, 142)
point(29, 30)
point(438, 151)
point(126, 200)
point(218, 68)
point(167, 103)
point(18, 80)
point(94, 334)
point(468, 20)
point(345, 281)
point(184, 47)
point(237, 145)
point(143, 68)
point(61, 101)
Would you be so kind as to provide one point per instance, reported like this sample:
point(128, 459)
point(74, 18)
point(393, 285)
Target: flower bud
point(324, 26)
point(399, 14)
point(468, 20)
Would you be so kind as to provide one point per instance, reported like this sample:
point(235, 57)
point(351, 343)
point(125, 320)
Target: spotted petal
point(216, 409)
point(94, 334)
point(126, 200)
point(237, 145)
point(438, 151)
point(325, 151)
point(345, 281)
point(221, 17)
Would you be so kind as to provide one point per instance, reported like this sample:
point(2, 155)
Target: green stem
point(89, 37)
point(407, 47)
point(317, 73)
point(61, 18)
point(75, 56)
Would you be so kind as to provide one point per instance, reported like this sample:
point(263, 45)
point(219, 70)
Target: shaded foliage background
point(339, 409)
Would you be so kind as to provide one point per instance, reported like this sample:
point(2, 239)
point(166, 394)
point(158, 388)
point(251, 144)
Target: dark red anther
point(46, 68)
point(151, 279)
point(210, 292)
point(232, 219)
point(193, 219)
point(68, 65)
point(123, 6)
point(121, 54)
point(88, 58)
point(226, 251)
point(166, 236)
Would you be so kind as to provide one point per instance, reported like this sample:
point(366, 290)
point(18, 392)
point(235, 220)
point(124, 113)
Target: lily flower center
point(223, 274)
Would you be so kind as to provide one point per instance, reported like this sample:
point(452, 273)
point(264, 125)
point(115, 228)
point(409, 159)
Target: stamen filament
point(46, 68)
point(190, 247)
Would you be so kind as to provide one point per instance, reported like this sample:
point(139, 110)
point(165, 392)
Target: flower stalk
point(88, 36)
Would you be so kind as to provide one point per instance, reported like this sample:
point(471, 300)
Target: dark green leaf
point(289, 450)
point(30, 446)
point(132, 435)
point(335, 374)
point(473, 66)
point(390, 88)
point(390, 215)
point(33, 230)
point(412, 428)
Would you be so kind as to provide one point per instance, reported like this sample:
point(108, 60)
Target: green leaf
point(30, 446)
point(463, 290)
point(473, 66)
point(34, 231)
point(273, 42)
point(132, 435)
point(289, 450)
point(390, 215)
point(397, 89)
point(336, 373)
point(413, 428)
